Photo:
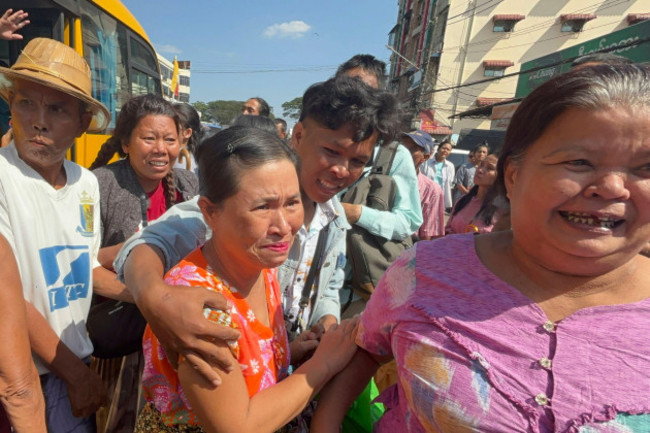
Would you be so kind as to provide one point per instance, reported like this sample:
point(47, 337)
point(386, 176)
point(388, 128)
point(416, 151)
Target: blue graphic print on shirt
point(67, 273)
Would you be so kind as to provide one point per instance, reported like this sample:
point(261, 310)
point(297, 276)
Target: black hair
point(488, 207)
point(279, 121)
point(591, 88)
point(259, 122)
point(134, 110)
point(366, 62)
point(348, 101)
point(190, 118)
point(264, 110)
point(478, 146)
point(225, 155)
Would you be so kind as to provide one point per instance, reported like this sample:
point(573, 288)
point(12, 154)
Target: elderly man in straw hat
point(49, 213)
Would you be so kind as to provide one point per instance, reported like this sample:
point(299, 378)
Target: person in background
point(256, 107)
point(405, 217)
point(464, 180)
point(421, 146)
point(251, 199)
point(190, 136)
point(259, 122)
point(11, 22)
point(523, 329)
point(441, 171)
point(134, 191)
point(366, 67)
point(281, 125)
point(339, 126)
point(476, 211)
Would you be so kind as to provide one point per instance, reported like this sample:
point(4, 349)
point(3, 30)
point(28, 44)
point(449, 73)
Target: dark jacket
point(122, 199)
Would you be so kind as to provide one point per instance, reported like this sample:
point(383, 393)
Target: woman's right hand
point(175, 314)
point(337, 346)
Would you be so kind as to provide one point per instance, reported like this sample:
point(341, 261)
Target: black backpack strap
point(314, 272)
point(385, 157)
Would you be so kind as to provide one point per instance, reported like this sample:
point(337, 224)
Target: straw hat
point(55, 65)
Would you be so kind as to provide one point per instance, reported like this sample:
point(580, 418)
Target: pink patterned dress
point(475, 355)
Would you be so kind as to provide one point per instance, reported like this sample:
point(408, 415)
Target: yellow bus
point(121, 58)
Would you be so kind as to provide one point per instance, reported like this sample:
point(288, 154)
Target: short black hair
point(279, 121)
point(366, 62)
point(259, 122)
point(346, 100)
point(265, 110)
point(224, 156)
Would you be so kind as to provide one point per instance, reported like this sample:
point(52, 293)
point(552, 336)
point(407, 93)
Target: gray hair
point(591, 87)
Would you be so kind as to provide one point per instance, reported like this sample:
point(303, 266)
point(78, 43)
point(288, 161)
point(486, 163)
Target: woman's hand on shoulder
point(179, 324)
point(337, 346)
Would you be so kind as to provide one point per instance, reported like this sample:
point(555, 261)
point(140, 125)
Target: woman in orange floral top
point(250, 198)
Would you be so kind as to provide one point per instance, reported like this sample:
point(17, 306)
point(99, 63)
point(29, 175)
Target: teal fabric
point(406, 216)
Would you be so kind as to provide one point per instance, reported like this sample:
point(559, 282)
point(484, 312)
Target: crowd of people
point(204, 281)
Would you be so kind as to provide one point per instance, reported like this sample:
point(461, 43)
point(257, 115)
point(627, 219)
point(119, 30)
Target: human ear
point(510, 170)
point(85, 122)
point(209, 210)
point(296, 136)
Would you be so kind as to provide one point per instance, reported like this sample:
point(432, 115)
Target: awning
point(635, 18)
point(483, 111)
point(508, 17)
point(497, 63)
point(437, 130)
point(577, 17)
point(481, 102)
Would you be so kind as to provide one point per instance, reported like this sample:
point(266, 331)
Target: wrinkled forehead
point(41, 93)
point(252, 103)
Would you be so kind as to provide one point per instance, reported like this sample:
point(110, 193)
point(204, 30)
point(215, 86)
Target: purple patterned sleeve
point(387, 304)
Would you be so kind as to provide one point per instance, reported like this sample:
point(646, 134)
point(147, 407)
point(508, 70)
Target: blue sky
point(234, 44)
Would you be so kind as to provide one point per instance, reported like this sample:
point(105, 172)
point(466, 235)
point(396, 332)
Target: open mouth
point(329, 186)
point(158, 163)
point(605, 222)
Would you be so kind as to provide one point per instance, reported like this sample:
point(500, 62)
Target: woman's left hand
point(303, 346)
point(337, 346)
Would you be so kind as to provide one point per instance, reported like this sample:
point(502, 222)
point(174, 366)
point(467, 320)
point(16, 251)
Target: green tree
point(291, 109)
point(222, 112)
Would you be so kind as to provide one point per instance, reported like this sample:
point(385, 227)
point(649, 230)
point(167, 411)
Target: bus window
point(145, 77)
point(104, 41)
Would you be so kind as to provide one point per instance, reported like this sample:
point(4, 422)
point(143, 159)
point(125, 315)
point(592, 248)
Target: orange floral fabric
point(262, 351)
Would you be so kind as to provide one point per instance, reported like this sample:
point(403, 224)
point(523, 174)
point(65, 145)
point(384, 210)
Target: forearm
point(228, 410)
point(339, 394)
point(22, 397)
point(58, 358)
point(143, 271)
point(20, 391)
point(105, 283)
point(397, 224)
point(107, 255)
